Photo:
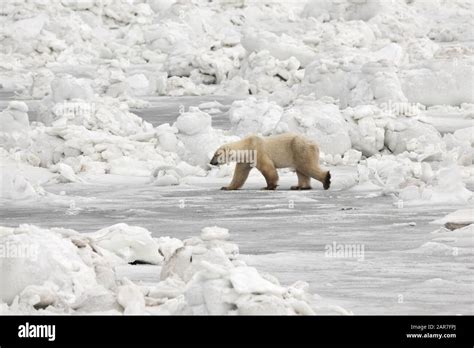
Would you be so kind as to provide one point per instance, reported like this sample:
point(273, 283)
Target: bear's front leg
point(241, 174)
point(229, 188)
point(266, 167)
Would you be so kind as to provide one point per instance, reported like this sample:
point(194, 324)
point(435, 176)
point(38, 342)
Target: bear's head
point(221, 156)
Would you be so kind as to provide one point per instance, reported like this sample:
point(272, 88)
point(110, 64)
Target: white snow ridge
point(70, 272)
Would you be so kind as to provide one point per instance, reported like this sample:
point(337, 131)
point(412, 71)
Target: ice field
point(400, 256)
point(110, 112)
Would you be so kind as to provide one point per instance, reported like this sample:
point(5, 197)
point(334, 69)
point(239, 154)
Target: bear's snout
point(214, 161)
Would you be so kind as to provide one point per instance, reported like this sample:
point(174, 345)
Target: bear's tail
point(327, 180)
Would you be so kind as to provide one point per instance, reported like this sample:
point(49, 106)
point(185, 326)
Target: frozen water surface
point(287, 242)
point(166, 109)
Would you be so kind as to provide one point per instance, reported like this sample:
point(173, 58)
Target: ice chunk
point(193, 122)
point(35, 255)
point(131, 243)
point(246, 280)
point(439, 82)
point(406, 131)
point(281, 47)
point(166, 176)
point(254, 115)
point(66, 87)
point(459, 217)
point(210, 233)
point(14, 125)
point(131, 298)
point(321, 121)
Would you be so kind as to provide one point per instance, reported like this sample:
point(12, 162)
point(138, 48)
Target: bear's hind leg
point(323, 176)
point(304, 182)
point(241, 174)
point(308, 164)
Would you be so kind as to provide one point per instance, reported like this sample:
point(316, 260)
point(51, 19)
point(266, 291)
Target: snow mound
point(353, 82)
point(198, 139)
point(450, 243)
point(347, 10)
point(174, 175)
point(55, 271)
point(320, 121)
point(266, 75)
point(14, 125)
point(193, 122)
point(210, 233)
point(281, 47)
point(254, 115)
point(49, 260)
point(131, 243)
point(15, 186)
point(461, 216)
point(219, 283)
point(439, 82)
point(415, 182)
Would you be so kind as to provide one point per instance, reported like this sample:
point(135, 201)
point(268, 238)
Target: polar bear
point(269, 153)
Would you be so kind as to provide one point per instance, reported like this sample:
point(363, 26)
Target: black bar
point(328, 330)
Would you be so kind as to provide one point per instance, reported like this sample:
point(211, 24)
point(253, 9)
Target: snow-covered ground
point(111, 111)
